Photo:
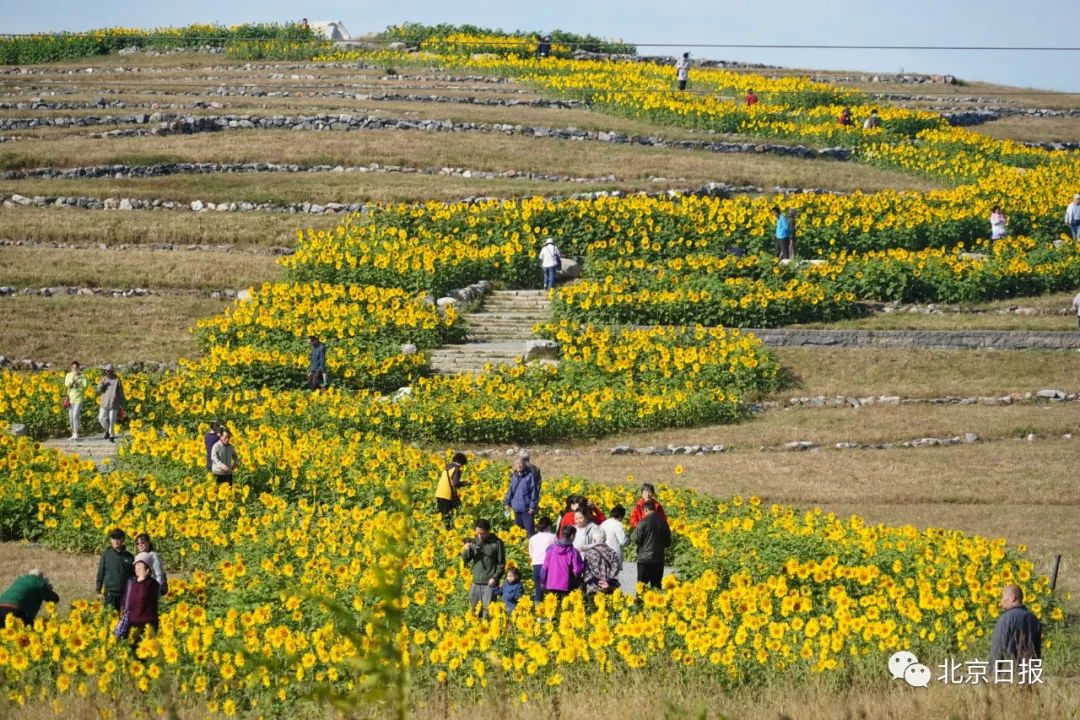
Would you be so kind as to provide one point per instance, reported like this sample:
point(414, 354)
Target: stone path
point(498, 331)
point(88, 447)
point(924, 339)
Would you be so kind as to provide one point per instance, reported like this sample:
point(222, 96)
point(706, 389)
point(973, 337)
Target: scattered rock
point(540, 349)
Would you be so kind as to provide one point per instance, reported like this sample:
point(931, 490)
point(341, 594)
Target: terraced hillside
point(193, 206)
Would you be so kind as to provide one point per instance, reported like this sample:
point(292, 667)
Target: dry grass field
point(1004, 485)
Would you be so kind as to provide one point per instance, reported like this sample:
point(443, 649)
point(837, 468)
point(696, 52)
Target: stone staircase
point(498, 331)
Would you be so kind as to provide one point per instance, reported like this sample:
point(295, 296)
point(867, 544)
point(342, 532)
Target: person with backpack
point(447, 499)
point(652, 537)
point(682, 70)
point(550, 262)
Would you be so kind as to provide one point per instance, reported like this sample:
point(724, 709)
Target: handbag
point(124, 623)
point(164, 584)
point(67, 403)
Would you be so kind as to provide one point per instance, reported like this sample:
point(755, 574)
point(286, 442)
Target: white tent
point(330, 30)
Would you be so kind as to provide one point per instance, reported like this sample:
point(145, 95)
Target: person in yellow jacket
point(75, 383)
point(446, 493)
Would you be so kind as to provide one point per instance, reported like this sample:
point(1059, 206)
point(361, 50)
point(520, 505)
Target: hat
point(144, 557)
point(548, 241)
point(107, 367)
point(1076, 197)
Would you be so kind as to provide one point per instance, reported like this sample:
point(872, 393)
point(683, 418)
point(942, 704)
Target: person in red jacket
point(751, 98)
point(573, 503)
point(648, 492)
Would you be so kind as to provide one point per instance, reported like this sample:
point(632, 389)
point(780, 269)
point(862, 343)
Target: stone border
point(172, 123)
point(67, 290)
point(850, 401)
point(100, 103)
point(273, 250)
point(114, 172)
point(127, 204)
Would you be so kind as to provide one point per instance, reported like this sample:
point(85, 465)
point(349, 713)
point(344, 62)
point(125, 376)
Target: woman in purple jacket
point(563, 565)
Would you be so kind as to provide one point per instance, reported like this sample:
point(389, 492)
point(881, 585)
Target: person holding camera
point(486, 556)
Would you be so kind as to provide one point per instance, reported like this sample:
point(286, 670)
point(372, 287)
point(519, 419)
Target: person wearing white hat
point(111, 393)
point(140, 604)
point(550, 261)
point(1072, 217)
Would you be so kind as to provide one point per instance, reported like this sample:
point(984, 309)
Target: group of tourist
point(131, 585)
point(111, 399)
point(583, 552)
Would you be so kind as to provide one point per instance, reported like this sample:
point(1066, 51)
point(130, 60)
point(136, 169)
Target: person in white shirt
point(1072, 217)
point(682, 70)
point(871, 121)
point(588, 532)
point(998, 222)
point(541, 540)
point(1076, 309)
point(550, 261)
point(615, 536)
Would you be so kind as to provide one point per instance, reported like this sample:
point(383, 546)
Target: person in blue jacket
point(512, 590)
point(783, 233)
point(523, 496)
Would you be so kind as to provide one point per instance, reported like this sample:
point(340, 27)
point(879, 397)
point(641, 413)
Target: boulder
point(541, 349)
point(447, 302)
point(570, 268)
point(800, 445)
point(409, 349)
point(17, 430)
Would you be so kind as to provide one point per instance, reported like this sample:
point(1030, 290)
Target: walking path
point(498, 332)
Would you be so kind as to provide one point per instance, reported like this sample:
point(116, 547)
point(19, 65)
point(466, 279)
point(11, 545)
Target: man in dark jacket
point(23, 599)
point(317, 364)
point(116, 567)
point(651, 536)
point(1017, 634)
point(487, 558)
